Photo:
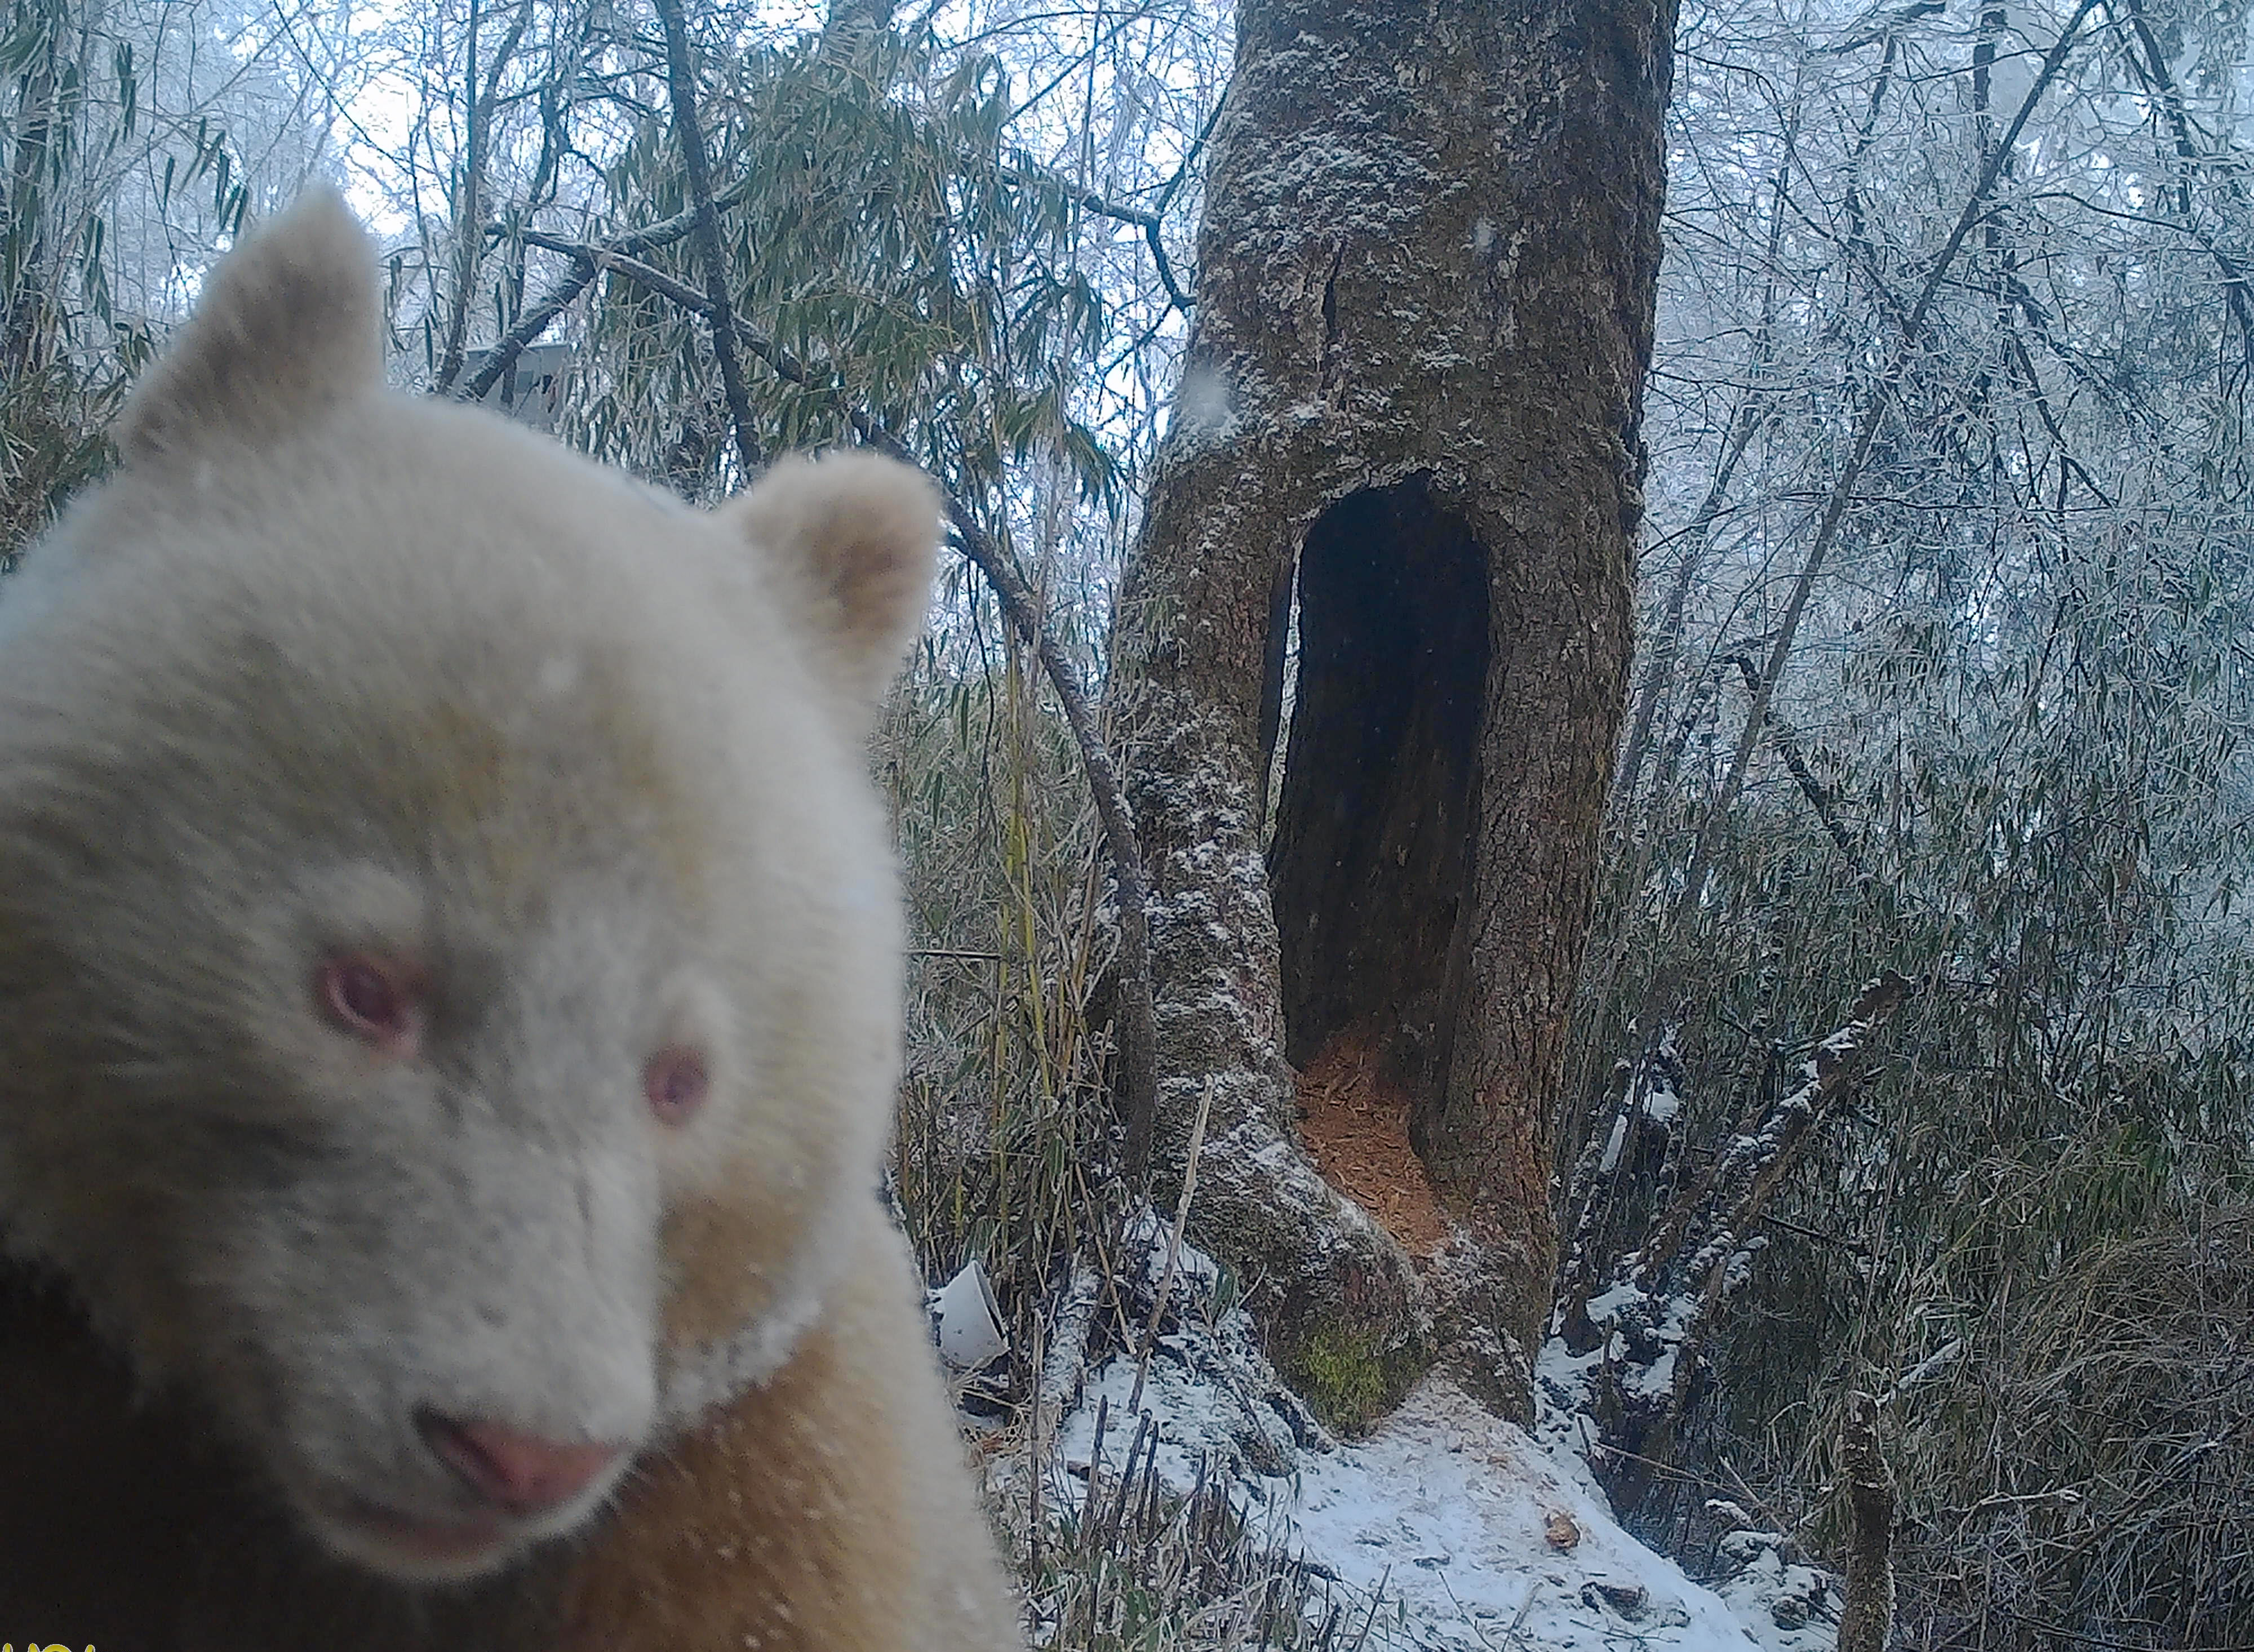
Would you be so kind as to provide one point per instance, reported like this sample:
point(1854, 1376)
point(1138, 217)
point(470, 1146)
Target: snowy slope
point(1465, 1534)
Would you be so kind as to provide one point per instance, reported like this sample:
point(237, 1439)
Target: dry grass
point(2093, 1473)
point(1007, 1151)
point(1132, 1567)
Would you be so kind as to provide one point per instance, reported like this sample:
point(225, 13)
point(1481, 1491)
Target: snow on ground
point(1469, 1535)
point(1785, 1603)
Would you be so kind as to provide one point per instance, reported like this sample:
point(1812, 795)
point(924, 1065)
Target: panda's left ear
point(285, 331)
point(855, 537)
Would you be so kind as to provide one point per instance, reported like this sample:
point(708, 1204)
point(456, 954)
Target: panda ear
point(284, 332)
point(855, 536)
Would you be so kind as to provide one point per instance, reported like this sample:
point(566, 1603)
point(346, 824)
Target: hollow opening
point(1371, 864)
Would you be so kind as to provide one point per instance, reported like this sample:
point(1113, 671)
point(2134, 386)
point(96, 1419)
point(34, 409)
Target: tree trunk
point(1867, 1620)
point(1407, 425)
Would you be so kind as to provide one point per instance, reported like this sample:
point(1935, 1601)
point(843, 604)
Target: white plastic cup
point(970, 1320)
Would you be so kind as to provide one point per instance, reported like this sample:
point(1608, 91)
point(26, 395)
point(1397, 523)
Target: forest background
point(2005, 759)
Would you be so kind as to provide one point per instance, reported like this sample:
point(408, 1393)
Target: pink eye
point(376, 999)
point(674, 1084)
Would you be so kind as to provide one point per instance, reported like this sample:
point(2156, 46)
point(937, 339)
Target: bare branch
point(1842, 495)
point(477, 141)
point(1088, 200)
point(529, 326)
point(1743, 420)
point(1788, 747)
point(2150, 63)
point(706, 232)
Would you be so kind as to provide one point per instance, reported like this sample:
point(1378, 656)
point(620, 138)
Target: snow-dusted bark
point(1632, 1356)
point(1422, 318)
point(1866, 1623)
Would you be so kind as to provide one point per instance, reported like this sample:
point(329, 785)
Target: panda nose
point(524, 1473)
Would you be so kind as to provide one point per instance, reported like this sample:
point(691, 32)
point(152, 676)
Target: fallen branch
point(1173, 1245)
point(1761, 1161)
point(1064, 1357)
point(1748, 1171)
point(1696, 1244)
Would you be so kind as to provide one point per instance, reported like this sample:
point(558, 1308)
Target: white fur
point(328, 667)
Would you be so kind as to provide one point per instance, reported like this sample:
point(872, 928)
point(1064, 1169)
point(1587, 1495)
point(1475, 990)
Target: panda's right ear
point(854, 536)
point(285, 331)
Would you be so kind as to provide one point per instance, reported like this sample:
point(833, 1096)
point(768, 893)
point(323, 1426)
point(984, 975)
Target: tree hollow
point(1371, 864)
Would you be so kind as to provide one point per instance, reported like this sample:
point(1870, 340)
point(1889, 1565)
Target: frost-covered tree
point(1406, 436)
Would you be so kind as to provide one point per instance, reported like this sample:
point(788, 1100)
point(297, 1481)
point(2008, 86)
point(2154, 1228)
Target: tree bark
point(1425, 310)
point(1866, 1621)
